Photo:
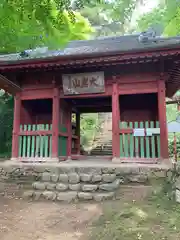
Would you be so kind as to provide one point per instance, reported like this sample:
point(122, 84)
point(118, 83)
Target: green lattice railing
point(143, 147)
point(40, 145)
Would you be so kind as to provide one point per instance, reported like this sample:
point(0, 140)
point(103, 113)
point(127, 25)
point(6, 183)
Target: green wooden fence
point(40, 145)
point(143, 147)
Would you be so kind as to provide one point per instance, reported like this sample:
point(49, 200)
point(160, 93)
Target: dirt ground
point(22, 220)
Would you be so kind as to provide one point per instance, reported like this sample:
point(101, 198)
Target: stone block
point(109, 178)
point(85, 195)
point(110, 186)
point(63, 178)
point(61, 187)
point(124, 170)
point(140, 178)
point(89, 187)
point(75, 187)
point(28, 194)
point(96, 178)
point(108, 170)
point(39, 185)
point(50, 186)
point(177, 195)
point(49, 195)
point(68, 169)
point(74, 178)
point(67, 196)
point(46, 177)
point(85, 177)
point(89, 170)
point(103, 196)
point(54, 178)
point(37, 195)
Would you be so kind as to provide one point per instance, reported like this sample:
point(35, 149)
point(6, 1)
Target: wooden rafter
point(8, 85)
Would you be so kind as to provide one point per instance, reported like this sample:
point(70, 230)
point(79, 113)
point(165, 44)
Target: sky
point(150, 4)
point(142, 9)
point(147, 7)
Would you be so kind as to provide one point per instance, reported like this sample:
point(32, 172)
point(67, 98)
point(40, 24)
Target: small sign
point(152, 131)
point(173, 127)
point(139, 132)
point(83, 83)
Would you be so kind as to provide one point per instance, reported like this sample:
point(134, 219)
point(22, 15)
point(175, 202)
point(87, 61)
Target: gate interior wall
point(139, 126)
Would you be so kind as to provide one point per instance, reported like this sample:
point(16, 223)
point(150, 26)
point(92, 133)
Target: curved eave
point(62, 61)
point(71, 59)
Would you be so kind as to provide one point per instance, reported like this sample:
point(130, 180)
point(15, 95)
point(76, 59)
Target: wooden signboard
point(83, 83)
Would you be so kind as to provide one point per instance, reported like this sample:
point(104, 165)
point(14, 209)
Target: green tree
point(110, 17)
point(26, 24)
point(166, 14)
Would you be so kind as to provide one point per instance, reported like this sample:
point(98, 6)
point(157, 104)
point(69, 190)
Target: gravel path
point(21, 220)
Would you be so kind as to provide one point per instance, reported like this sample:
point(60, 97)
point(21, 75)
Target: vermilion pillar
point(16, 126)
point(115, 121)
point(78, 133)
point(69, 131)
point(55, 123)
point(162, 119)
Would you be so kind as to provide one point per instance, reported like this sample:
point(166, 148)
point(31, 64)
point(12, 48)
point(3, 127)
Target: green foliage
point(167, 15)
point(26, 25)
point(110, 17)
point(6, 123)
point(89, 128)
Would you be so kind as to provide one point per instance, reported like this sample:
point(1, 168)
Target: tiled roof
point(127, 43)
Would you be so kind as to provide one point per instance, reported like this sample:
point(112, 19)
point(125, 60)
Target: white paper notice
point(138, 132)
point(152, 131)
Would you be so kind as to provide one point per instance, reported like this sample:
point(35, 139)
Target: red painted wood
point(37, 94)
point(162, 119)
point(136, 78)
point(69, 131)
point(93, 95)
point(125, 131)
point(78, 147)
point(16, 126)
point(55, 123)
point(35, 133)
point(137, 88)
point(115, 121)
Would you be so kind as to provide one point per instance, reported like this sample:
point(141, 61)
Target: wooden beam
point(55, 123)
point(78, 130)
point(16, 126)
point(69, 132)
point(115, 122)
point(162, 118)
point(9, 86)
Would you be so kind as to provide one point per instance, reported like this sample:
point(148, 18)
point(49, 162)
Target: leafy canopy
point(52, 23)
point(166, 15)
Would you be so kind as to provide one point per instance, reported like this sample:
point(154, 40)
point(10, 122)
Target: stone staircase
point(76, 181)
point(103, 142)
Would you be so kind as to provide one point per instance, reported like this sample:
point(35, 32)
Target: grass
point(153, 218)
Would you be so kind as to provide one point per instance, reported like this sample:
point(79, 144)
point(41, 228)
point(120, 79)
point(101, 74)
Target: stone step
point(68, 196)
point(108, 182)
point(77, 179)
point(100, 153)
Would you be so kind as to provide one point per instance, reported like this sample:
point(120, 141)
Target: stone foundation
point(76, 181)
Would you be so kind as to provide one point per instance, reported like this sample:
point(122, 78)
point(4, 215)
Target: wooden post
point(78, 132)
point(69, 131)
point(55, 123)
point(16, 126)
point(115, 122)
point(162, 119)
